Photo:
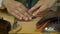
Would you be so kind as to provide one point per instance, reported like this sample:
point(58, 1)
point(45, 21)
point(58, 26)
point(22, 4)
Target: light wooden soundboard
point(27, 27)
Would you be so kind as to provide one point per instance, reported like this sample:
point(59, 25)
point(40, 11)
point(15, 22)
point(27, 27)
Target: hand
point(40, 6)
point(17, 9)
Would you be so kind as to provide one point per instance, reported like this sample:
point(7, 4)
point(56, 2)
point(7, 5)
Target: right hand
point(17, 9)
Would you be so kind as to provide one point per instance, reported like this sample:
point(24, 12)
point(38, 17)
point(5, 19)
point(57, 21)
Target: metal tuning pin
point(15, 23)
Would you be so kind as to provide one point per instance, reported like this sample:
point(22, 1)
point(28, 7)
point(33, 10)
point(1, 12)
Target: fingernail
point(26, 18)
point(20, 18)
point(30, 18)
point(33, 14)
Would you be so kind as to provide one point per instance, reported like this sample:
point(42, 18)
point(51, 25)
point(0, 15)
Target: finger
point(14, 10)
point(20, 14)
point(42, 8)
point(12, 7)
point(19, 5)
point(24, 13)
point(35, 7)
point(15, 14)
point(23, 17)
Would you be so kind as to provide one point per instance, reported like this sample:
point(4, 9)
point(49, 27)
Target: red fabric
point(42, 25)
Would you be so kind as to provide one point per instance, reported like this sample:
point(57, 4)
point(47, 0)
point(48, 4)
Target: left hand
point(40, 6)
point(17, 9)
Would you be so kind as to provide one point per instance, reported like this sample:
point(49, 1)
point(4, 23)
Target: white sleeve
point(1, 4)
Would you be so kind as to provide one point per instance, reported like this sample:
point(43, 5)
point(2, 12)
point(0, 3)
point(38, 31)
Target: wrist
point(7, 2)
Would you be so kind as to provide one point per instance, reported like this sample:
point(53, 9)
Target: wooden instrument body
point(28, 27)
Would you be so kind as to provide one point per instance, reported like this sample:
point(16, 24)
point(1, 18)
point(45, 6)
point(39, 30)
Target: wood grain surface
point(27, 27)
